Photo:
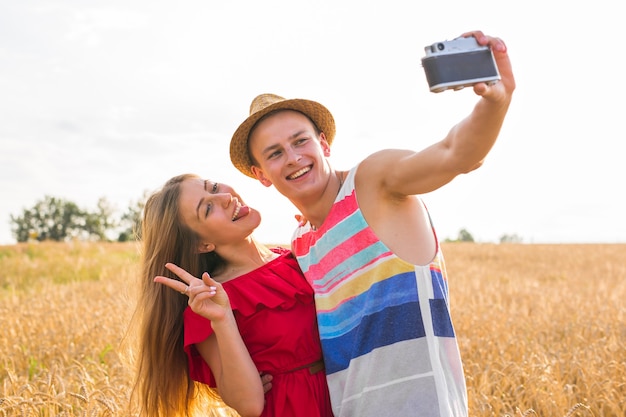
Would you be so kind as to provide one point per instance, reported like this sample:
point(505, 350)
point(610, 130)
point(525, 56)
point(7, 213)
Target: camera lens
point(440, 46)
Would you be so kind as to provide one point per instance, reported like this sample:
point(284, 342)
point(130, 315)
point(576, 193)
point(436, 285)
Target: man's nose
point(292, 155)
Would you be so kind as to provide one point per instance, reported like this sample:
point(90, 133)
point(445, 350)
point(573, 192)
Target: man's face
point(289, 154)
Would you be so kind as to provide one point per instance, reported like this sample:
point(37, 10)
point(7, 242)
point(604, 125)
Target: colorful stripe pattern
point(388, 341)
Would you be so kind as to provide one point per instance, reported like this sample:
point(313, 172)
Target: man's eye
point(214, 189)
point(273, 155)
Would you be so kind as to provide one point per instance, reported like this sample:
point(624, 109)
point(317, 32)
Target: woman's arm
point(237, 377)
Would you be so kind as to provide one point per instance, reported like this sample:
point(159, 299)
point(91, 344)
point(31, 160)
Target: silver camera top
point(455, 46)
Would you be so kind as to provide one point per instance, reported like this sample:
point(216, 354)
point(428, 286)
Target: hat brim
point(319, 114)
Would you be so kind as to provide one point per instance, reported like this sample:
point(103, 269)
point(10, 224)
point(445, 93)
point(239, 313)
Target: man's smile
point(299, 173)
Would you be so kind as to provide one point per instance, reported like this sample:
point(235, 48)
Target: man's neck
point(316, 211)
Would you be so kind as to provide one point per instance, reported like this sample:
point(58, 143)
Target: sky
point(112, 98)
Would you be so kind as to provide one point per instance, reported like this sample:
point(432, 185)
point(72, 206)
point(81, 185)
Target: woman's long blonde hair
point(163, 386)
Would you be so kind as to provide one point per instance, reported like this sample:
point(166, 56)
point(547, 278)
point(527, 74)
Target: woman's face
point(216, 212)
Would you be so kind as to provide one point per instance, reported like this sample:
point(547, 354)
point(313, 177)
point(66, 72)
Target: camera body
point(458, 63)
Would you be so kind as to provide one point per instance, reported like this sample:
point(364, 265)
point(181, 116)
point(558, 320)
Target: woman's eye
point(214, 189)
point(208, 208)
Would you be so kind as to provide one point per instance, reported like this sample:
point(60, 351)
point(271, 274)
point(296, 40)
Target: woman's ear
point(206, 247)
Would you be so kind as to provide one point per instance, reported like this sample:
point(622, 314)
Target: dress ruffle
point(281, 285)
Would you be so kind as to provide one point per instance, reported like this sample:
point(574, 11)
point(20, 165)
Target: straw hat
point(266, 103)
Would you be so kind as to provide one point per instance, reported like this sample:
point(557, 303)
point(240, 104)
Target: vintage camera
point(458, 63)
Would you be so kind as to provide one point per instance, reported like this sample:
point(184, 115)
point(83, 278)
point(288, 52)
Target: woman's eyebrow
point(201, 200)
point(198, 208)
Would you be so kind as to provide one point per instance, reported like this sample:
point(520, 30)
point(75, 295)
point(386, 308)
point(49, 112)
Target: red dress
point(275, 312)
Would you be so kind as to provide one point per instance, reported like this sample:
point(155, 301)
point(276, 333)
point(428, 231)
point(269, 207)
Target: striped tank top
point(387, 338)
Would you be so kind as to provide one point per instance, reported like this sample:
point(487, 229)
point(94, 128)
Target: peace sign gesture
point(206, 296)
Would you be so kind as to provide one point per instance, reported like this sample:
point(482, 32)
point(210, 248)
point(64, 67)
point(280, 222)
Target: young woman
point(250, 314)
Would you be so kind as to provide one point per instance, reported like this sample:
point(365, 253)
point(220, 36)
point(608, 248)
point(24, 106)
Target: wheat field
point(542, 328)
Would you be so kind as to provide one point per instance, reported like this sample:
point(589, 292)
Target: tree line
point(58, 219)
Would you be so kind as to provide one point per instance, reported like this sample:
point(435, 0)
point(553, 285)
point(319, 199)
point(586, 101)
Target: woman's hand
point(206, 296)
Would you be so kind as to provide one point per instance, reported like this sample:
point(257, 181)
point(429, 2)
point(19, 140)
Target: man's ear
point(324, 144)
point(258, 173)
point(205, 247)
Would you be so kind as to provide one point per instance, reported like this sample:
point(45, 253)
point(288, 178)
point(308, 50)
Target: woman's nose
point(224, 199)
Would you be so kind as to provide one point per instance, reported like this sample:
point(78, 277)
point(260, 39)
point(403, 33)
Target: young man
point(368, 248)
